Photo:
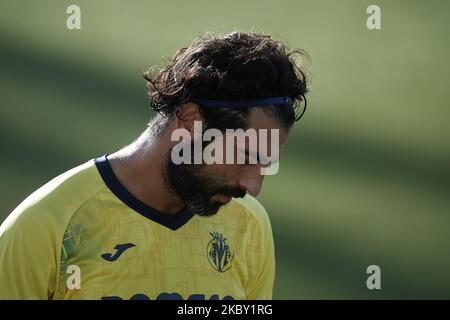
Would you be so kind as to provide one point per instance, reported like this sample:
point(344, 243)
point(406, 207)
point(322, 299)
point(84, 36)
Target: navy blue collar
point(172, 222)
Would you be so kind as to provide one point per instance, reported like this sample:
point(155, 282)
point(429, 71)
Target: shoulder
point(255, 209)
point(52, 205)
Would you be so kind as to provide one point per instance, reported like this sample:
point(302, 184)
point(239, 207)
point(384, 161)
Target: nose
point(251, 180)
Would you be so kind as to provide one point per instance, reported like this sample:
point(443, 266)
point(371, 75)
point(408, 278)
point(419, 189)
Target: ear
point(187, 114)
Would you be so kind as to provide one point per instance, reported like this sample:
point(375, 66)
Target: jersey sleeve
point(262, 285)
point(31, 237)
point(28, 255)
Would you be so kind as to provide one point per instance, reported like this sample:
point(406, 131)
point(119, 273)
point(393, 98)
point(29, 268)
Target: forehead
point(258, 119)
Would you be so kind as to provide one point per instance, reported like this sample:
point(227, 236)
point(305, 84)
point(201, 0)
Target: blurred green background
point(365, 177)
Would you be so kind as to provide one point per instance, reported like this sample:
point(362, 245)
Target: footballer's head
point(242, 81)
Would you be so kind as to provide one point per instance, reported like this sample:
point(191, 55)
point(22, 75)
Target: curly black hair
point(237, 66)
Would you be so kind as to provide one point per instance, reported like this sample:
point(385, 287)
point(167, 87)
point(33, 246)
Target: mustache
point(231, 192)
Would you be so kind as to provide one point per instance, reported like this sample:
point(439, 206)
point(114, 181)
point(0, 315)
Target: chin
point(211, 209)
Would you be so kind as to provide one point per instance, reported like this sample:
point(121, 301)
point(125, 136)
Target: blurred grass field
point(365, 177)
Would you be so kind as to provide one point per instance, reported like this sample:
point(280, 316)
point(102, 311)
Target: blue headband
point(243, 103)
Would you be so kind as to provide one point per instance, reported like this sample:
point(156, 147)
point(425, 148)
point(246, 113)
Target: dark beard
point(194, 188)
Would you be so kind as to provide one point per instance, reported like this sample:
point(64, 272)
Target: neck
point(139, 168)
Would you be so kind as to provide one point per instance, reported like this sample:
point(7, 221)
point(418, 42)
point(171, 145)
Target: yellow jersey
point(84, 236)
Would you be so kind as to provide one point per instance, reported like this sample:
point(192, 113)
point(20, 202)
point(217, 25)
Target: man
point(136, 224)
